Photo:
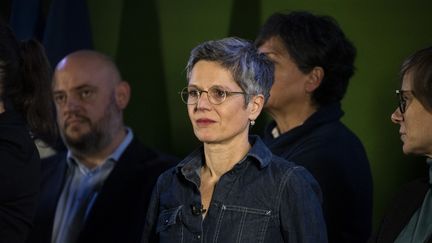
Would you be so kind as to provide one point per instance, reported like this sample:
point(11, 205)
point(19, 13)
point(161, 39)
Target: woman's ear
point(314, 79)
point(255, 106)
point(122, 94)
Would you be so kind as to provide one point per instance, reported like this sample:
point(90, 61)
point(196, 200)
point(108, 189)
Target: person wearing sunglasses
point(232, 188)
point(409, 219)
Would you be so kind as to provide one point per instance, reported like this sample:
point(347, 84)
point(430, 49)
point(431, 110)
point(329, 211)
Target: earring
point(252, 122)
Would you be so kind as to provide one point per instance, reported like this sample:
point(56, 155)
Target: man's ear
point(122, 94)
point(314, 79)
point(255, 106)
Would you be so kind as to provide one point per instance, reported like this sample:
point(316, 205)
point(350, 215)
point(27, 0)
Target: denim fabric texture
point(263, 198)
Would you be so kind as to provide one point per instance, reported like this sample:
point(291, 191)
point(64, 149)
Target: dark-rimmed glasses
point(401, 94)
point(216, 95)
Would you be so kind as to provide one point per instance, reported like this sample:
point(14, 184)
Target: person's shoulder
point(291, 173)
point(55, 158)
point(283, 167)
point(149, 156)
point(281, 163)
point(401, 208)
point(338, 132)
point(415, 188)
point(345, 145)
point(169, 173)
point(167, 178)
point(410, 196)
point(333, 141)
point(14, 135)
point(54, 161)
point(137, 149)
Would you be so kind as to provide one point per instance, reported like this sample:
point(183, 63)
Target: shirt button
point(199, 236)
point(166, 221)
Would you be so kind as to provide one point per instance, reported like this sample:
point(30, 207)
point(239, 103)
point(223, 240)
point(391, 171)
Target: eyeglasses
point(401, 94)
point(216, 95)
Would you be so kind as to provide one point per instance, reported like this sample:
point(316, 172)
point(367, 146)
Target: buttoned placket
point(192, 175)
point(199, 225)
point(221, 192)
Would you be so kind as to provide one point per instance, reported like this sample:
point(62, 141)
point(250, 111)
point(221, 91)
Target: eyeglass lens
point(191, 95)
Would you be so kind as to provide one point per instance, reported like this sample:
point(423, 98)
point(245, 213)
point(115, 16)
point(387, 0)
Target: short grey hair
point(251, 70)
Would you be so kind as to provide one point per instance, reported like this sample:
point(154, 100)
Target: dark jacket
point(19, 178)
point(338, 161)
point(119, 211)
point(408, 200)
point(262, 199)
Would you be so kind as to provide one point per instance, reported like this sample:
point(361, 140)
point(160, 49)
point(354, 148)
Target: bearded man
point(98, 190)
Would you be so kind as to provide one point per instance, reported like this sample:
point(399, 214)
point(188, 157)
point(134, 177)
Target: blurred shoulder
point(284, 168)
point(149, 156)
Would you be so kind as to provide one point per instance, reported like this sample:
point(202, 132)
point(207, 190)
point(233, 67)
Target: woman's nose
point(203, 102)
point(397, 116)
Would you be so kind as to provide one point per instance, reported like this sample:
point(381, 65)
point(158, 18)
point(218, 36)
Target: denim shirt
point(263, 198)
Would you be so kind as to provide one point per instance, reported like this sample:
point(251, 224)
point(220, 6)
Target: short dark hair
point(419, 65)
point(314, 41)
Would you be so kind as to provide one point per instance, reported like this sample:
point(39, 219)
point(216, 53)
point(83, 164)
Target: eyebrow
point(270, 52)
point(84, 86)
point(80, 87)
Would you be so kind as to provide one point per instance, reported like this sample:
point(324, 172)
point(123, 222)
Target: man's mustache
point(76, 118)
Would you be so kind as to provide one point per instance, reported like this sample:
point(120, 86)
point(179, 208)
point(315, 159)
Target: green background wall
point(151, 40)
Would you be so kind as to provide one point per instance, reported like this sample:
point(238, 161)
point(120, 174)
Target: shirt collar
point(115, 156)
point(258, 152)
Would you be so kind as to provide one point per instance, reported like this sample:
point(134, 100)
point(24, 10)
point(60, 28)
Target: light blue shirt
point(419, 228)
point(80, 191)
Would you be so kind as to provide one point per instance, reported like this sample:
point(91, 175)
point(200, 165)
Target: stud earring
point(252, 122)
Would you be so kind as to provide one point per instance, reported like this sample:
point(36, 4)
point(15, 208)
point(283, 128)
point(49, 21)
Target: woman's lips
point(204, 121)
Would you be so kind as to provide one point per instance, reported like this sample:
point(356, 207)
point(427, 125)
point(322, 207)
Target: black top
point(119, 211)
point(408, 200)
point(336, 158)
point(19, 178)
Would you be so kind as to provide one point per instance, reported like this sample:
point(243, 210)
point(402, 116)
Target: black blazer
point(19, 178)
point(404, 205)
point(119, 211)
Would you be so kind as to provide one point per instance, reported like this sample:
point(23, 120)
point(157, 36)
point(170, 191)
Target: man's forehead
point(67, 81)
point(84, 69)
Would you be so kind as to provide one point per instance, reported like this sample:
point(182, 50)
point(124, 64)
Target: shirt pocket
point(242, 224)
point(169, 227)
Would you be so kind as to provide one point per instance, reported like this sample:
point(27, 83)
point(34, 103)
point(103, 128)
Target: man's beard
point(100, 134)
